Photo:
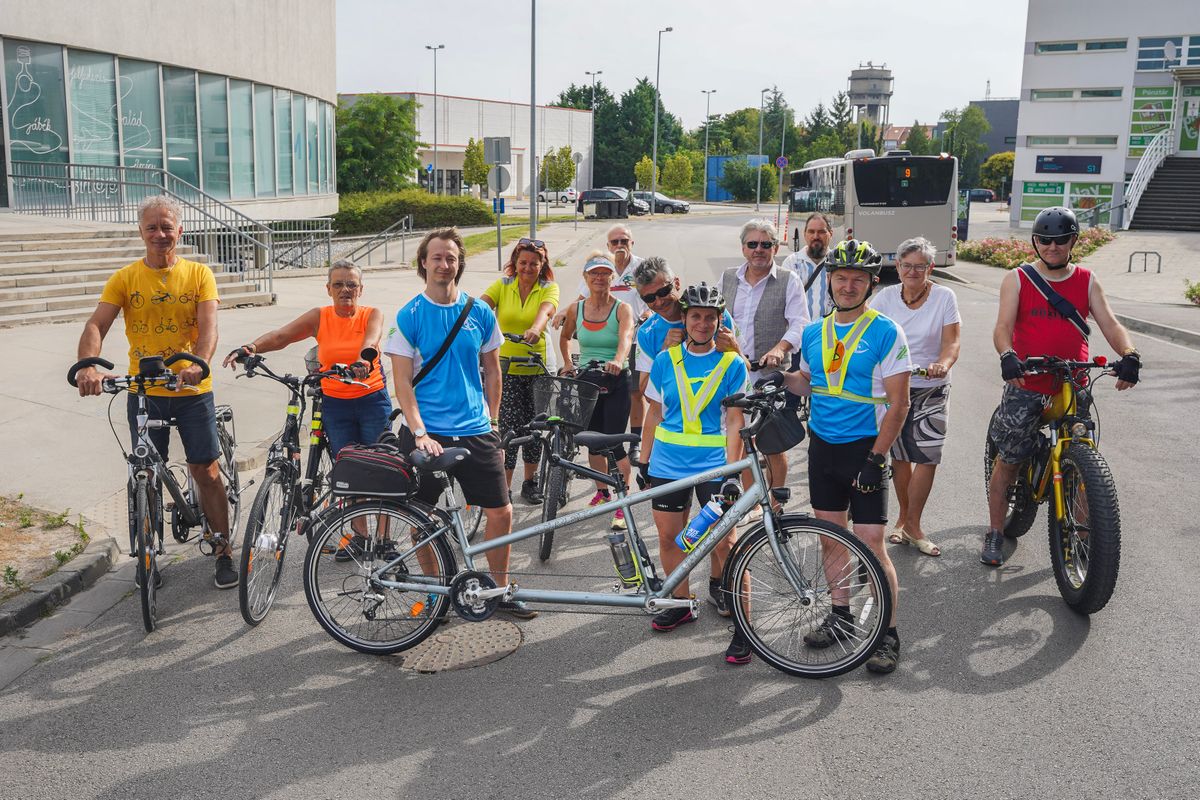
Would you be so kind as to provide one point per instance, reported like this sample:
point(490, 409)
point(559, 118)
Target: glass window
point(1010, 140)
point(903, 181)
point(283, 140)
point(179, 111)
point(241, 138)
point(330, 148)
point(264, 142)
point(1159, 52)
point(1057, 47)
point(214, 135)
point(93, 108)
point(310, 116)
point(1051, 94)
point(1092, 94)
point(141, 119)
point(299, 145)
point(37, 101)
point(1102, 141)
point(1108, 44)
point(1043, 141)
point(322, 150)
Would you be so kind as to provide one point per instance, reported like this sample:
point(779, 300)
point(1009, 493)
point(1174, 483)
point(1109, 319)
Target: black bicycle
point(149, 474)
point(288, 494)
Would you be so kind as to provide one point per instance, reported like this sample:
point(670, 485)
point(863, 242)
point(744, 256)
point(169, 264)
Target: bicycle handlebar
point(116, 384)
point(84, 363)
point(256, 364)
point(1035, 365)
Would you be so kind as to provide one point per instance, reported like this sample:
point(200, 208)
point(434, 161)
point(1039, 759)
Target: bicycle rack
point(1145, 254)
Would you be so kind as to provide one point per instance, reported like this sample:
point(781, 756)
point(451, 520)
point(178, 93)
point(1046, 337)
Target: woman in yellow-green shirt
point(524, 300)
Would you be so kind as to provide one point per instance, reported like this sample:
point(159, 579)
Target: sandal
point(923, 544)
point(896, 536)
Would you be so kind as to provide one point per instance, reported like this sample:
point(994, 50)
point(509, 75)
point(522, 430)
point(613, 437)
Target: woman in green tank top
point(605, 329)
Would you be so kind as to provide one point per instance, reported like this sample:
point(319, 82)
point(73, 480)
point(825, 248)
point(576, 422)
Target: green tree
point(841, 119)
point(644, 172)
point(963, 139)
point(608, 156)
point(475, 171)
point(741, 180)
point(677, 173)
point(376, 143)
point(996, 170)
point(918, 142)
point(557, 170)
point(829, 145)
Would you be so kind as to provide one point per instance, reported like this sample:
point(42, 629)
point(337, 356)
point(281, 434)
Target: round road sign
point(498, 179)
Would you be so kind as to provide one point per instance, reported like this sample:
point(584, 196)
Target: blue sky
point(942, 53)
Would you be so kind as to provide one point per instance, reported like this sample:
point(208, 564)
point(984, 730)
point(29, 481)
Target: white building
point(460, 119)
point(1100, 81)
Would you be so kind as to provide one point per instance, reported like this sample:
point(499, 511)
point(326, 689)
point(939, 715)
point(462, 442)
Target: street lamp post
point(592, 161)
point(434, 174)
point(708, 93)
point(762, 96)
point(654, 156)
point(533, 208)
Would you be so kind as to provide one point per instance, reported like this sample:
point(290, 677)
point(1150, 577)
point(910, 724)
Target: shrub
point(371, 212)
point(1192, 291)
point(1012, 253)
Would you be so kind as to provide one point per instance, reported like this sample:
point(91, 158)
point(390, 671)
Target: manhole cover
point(464, 645)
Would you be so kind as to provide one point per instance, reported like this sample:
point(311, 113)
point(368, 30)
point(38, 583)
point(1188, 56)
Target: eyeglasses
point(1049, 240)
point(618, 241)
point(538, 243)
point(767, 245)
point(657, 295)
point(339, 285)
point(917, 268)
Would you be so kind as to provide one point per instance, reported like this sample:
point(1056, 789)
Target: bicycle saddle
point(602, 442)
point(443, 463)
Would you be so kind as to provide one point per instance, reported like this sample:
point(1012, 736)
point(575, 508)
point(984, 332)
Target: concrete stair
point(58, 277)
point(1171, 201)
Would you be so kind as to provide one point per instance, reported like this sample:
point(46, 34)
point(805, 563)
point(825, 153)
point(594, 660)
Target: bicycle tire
point(358, 612)
point(777, 636)
point(233, 483)
point(147, 557)
point(551, 498)
point(1022, 510)
point(1085, 569)
point(268, 531)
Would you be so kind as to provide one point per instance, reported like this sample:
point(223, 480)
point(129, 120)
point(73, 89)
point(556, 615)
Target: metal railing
point(1161, 146)
point(399, 229)
point(302, 243)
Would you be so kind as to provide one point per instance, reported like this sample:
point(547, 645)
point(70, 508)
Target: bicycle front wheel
point(268, 530)
point(781, 624)
point(352, 541)
point(147, 557)
point(1085, 545)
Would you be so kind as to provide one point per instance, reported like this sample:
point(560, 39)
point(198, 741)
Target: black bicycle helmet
point(1057, 221)
point(853, 254)
point(702, 296)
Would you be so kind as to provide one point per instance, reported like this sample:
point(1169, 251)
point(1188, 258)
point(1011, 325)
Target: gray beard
point(817, 252)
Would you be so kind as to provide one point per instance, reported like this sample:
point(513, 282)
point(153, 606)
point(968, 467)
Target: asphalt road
point(1002, 691)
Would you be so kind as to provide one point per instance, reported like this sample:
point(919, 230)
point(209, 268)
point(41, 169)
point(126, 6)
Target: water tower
point(870, 92)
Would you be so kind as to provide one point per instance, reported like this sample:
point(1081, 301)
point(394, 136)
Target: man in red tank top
point(1028, 324)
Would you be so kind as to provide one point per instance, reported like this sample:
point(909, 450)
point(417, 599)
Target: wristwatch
point(878, 459)
point(418, 433)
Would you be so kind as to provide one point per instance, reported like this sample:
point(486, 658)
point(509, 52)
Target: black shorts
point(634, 387)
point(480, 474)
point(681, 500)
point(832, 469)
point(195, 418)
point(611, 414)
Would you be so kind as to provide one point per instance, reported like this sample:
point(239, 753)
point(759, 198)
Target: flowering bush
point(1192, 292)
point(1012, 253)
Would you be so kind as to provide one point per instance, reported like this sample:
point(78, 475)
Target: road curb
point(52, 591)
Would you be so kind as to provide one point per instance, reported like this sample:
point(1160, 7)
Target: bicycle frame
point(145, 461)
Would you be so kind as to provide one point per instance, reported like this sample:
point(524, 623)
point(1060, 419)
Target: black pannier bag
point(372, 470)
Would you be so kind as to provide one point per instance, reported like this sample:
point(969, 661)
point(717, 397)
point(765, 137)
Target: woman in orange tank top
point(343, 330)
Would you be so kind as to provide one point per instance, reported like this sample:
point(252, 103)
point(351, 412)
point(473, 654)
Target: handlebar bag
point(781, 431)
point(373, 470)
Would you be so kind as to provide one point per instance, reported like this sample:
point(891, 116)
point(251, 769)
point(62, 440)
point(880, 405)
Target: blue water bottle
point(698, 528)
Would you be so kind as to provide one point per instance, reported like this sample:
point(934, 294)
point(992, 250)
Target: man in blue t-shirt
point(855, 363)
point(449, 406)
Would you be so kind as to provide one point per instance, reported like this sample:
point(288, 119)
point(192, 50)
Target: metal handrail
point(1161, 146)
point(398, 229)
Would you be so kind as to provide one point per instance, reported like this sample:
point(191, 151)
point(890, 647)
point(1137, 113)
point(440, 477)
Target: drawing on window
point(31, 131)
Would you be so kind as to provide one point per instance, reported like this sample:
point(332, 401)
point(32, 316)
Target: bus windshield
point(903, 182)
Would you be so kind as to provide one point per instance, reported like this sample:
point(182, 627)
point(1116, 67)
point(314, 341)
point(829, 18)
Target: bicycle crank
point(474, 596)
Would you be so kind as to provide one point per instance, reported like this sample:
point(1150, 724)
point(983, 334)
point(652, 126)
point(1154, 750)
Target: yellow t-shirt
point(517, 317)
point(160, 310)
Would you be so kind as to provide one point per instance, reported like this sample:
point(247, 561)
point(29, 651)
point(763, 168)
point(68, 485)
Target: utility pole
point(592, 166)
point(654, 157)
point(708, 93)
point(533, 209)
point(434, 174)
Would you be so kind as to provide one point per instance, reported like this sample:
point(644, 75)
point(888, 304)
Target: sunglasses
point(538, 243)
point(764, 245)
point(657, 295)
point(618, 241)
point(1049, 240)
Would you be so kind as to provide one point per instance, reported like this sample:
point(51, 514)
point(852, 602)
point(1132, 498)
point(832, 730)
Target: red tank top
point(339, 341)
point(1042, 331)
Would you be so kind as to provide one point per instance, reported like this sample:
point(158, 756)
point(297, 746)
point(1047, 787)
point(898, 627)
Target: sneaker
point(516, 609)
point(351, 551)
point(225, 576)
point(634, 455)
point(671, 619)
point(885, 658)
point(618, 520)
point(738, 651)
point(992, 553)
point(601, 496)
point(718, 596)
point(531, 492)
point(836, 627)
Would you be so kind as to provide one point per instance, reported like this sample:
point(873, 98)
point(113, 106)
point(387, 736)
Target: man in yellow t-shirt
point(170, 306)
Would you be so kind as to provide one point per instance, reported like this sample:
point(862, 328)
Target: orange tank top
point(340, 341)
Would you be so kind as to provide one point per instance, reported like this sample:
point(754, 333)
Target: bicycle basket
point(311, 362)
point(372, 470)
point(570, 399)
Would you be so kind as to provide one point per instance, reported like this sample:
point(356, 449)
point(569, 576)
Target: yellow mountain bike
point(1068, 472)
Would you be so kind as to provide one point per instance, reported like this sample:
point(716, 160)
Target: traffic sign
point(577, 157)
point(497, 150)
point(498, 179)
point(429, 167)
point(781, 162)
point(498, 205)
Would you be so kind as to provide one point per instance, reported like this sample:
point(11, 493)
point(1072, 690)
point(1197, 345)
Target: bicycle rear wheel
point(348, 603)
point(233, 484)
point(471, 515)
point(147, 556)
point(834, 566)
point(552, 495)
point(268, 530)
point(1085, 546)
point(1022, 509)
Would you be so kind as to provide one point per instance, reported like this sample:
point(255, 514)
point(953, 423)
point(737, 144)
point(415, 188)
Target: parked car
point(564, 196)
point(664, 204)
point(982, 195)
point(637, 206)
point(606, 201)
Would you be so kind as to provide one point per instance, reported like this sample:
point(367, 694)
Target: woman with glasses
point(524, 300)
point(928, 315)
point(605, 329)
point(343, 330)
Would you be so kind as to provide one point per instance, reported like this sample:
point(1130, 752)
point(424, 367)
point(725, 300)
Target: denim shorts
point(194, 416)
point(357, 419)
